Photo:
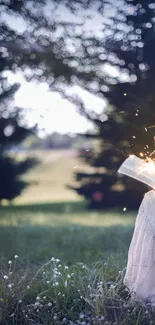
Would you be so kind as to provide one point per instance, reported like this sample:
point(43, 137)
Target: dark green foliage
point(11, 133)
point(128, 129)
point(127, 42)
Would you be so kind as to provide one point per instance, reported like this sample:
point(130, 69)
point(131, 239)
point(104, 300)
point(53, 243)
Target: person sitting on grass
point(140, 271)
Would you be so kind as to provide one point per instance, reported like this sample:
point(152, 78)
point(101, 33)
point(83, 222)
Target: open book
point(139, 169)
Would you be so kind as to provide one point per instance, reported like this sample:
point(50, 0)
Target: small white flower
point(57, 260)
point(16, 256)
point(47, 282)
point(37, 303)
point(5, 277)
point(20, 301)
point(66, 267)
point(38, 298)
point(68, 276)
point(28, 287)
point(65, 283)
point(55, 316)
point(10, 262)
point(56, 283)
point(82, 316)
point(44, 297)
point(49, 304)
point(10, 285)
point(52, 259)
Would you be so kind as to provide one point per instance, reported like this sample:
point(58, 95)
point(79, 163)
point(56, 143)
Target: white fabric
point(140, 271)
point(139, 169)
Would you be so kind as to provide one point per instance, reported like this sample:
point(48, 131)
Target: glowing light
point(124, 209)
point(125, 94)
point(141, 154)
point(134, 137)
point(146, 129)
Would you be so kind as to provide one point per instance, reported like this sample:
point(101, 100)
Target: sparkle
point(124, 209)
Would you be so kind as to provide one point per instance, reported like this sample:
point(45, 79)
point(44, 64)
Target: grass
point(50, 220)
point(62, 264)
point(65, 230)
point(50, 178)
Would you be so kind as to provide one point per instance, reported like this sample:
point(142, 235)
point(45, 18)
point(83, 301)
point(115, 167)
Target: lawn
point(60, 263)
point(50, 220)
point(63, 230)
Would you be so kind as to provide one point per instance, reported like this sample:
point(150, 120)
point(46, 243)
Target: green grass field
point(60, 263)
point(50, 220)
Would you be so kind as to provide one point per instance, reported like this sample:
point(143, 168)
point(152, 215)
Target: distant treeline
point(55, 141)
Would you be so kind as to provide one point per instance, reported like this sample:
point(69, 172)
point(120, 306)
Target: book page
point(139, 169)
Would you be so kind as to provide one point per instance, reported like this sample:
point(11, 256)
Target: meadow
point(49, 220)
point(60, 263)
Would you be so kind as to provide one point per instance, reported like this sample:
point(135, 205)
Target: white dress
point(140, 271)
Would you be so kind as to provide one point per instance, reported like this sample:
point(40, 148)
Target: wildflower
point(68, 276)
point(56, 283)
point(65, 283)
point(37, 303)
point(55, 317)
point(28, 287)
point(38, 298)
point(66, 267)
point(5, 277)
point(47, 282)
point(10, 262)
point(82, 316)
point(52, 259)
point(10, 285)
point(57, 260)
point(20, 301)
point(44, 297)
point(49, 304)
point(16, 256)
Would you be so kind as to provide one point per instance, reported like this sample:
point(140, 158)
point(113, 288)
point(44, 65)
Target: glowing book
point(139, 169)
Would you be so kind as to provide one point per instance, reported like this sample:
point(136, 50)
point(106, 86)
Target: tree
point(11, 133)
point(129, 124)
point(64, 53)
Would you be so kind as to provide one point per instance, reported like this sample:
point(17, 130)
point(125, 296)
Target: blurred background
point(76, 99)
